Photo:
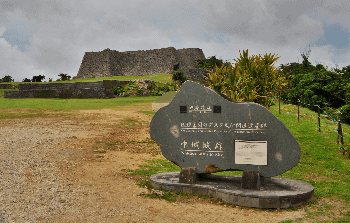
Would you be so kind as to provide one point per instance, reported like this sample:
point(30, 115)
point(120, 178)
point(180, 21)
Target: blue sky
point(49, 37)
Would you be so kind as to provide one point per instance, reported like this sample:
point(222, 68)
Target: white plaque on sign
point(251, 152)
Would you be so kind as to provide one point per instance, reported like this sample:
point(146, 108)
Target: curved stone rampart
point(138, 63)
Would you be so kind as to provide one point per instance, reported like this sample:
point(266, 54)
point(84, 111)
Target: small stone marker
point(203, 131)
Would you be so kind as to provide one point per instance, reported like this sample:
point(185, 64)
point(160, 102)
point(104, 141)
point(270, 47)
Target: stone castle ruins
point(114, 63)
point(138, 63)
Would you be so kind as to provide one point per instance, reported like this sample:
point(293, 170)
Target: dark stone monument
point(203, 132)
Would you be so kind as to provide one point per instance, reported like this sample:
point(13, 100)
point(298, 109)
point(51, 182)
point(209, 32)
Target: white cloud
point(50, 37)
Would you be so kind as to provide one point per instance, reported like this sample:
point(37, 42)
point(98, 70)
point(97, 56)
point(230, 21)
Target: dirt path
point(67, 176)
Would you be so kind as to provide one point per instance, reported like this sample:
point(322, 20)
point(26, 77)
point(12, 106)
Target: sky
point(49, 37)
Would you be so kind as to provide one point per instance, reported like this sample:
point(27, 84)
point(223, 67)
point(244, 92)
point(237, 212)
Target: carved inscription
point(195, 148)
point(223, 127)
point(200, 109)
point(219, 127)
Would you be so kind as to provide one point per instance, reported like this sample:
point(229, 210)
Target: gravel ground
point(30, 183)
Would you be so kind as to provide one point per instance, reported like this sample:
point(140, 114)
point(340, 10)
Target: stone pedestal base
point(277, 193)
point(253, 180)
point(188, 175)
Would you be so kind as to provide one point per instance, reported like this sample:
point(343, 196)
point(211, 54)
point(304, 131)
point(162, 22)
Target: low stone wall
point(62, 90)
point(60, 86)
point(66, 93)
point(113, 83)
point(8, 86)
point(98, 89)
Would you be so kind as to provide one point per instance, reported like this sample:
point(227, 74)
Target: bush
point(164, 88)
point(7, 79)
point(173, 86)
point(118, 90)
point(26, 80)
point(179, 77)
point(38, 78)
point(64, 77)
point(151, 87)
point(211, 62)
point(345, 116)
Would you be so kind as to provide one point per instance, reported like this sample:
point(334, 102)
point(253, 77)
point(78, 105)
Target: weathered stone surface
point(253, 181)
point(202, 129)
point(68, 93)
point(188, 175)
point(277, 193)
point(8, 86)
point(139, 63)
point(61, 90)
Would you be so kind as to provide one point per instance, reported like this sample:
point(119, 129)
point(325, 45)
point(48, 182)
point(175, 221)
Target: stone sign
point(204, 131)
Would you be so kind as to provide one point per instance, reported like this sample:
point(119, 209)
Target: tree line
point(253, 79)
point(40, 78)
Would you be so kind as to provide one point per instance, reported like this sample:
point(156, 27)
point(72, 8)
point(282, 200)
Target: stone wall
point(98, 89)
point(68, 93)
point(62, 90)
point(60, 86)
point(8, 86)
point(138, 63)
point(113, 83)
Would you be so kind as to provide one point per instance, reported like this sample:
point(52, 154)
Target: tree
point(26, 80)
point(250, 79)
point(7, 79)
point(307, 66)
point(38, 78)
point(210, 62)
point(64, 77)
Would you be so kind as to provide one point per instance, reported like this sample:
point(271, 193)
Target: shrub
point(118, 90)
point(64, 77)
point(38, 78)
point(179, 77)
point(26, 80)
point(7, 79)
point(211, 62)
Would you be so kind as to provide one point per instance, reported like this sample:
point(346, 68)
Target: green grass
point(2, 91)
point(39, 107)
point(322, 162)
point(163, 78)
point(72, 104)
